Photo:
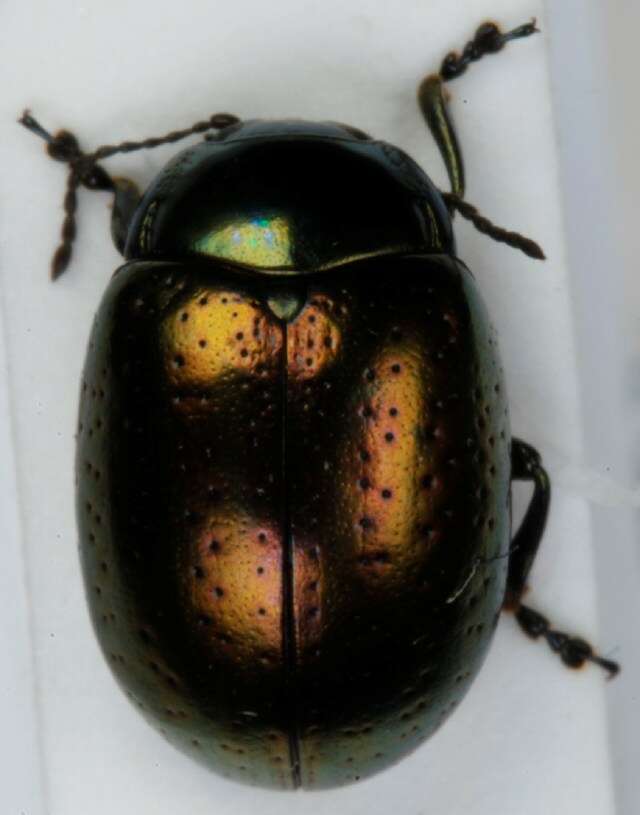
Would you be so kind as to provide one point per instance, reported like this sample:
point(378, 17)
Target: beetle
point(294, 460)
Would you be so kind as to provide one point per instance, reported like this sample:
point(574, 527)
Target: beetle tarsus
point(573, 651)
point(522, 30)
point(28, 121)
point(488, 39)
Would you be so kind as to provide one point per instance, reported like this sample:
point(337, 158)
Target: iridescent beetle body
point(291, 509)
point(294, 457)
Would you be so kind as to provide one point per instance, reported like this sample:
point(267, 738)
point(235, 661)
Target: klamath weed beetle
point(294, 457)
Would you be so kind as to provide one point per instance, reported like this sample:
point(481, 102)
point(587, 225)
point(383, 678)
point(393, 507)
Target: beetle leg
point(434, 109)
point(573, 651)
point(488, 40)
point(433, 104)
point(526, 465)
point(84, 170)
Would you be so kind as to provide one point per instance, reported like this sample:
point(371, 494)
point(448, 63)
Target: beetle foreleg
point(434, 109)
point(84, 170)
point(526, 465)
point(488, 40)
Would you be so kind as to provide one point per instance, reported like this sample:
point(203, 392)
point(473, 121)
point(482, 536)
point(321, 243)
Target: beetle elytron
point(294, 457)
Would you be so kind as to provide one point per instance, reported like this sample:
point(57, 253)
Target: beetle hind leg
point(527, 466)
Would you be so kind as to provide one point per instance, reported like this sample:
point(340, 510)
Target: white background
point(549, 146)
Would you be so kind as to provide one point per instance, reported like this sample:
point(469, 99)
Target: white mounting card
point(530, 737)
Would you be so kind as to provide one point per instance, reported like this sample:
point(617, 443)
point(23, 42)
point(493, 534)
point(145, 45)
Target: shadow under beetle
point(294, 458)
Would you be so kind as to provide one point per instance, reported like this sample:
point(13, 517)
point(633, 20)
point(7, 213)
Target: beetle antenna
point(216, 122)
point(85, 171)
point(484, 225)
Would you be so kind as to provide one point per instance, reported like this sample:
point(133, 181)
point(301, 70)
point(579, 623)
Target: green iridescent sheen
point(262, 242)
